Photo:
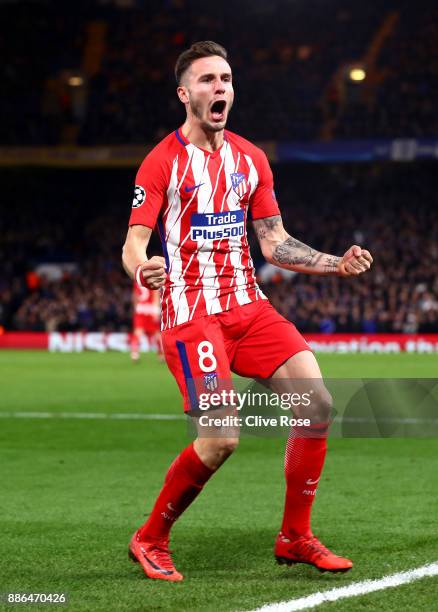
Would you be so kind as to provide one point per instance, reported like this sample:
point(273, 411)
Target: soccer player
point(146, 306)
point(198, 186)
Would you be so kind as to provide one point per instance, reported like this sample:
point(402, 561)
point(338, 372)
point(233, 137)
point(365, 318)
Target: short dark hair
point(205, 48)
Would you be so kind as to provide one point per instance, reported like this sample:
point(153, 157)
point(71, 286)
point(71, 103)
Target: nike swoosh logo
point(154, 565)
point(192, 188)
point(169, 505)
point(311, 482)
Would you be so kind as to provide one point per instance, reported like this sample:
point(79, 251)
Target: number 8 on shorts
point(205, 352)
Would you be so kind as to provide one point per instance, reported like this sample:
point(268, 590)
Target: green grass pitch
point(74, 490)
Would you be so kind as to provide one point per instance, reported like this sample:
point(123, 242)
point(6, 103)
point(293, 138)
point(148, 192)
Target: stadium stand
point(403, 99)
point(81, 227)
point(36, 100)
point(103, 75)
point(291, 85)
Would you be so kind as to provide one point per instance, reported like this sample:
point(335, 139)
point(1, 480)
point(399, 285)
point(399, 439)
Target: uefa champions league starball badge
point(139, 196)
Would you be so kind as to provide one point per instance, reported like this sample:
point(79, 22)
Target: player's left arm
point(285, 251)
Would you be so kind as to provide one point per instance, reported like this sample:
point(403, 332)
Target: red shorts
point(145, 322)
point(252, 340)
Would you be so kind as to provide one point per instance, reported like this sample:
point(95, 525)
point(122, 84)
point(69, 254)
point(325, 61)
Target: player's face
point(208, 90)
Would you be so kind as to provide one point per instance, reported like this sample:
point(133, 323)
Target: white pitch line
point(118, 416)
point(352, 590)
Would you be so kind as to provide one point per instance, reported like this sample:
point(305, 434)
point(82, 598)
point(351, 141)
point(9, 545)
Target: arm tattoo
point(331, 263)
point(294, 252)
point(264, 226)
point(291, 252)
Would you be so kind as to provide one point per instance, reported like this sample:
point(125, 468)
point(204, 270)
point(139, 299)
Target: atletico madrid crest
point(210, 381)
point(238, 181)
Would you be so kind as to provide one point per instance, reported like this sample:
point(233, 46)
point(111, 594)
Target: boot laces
point(161, 555)
point(313, 546)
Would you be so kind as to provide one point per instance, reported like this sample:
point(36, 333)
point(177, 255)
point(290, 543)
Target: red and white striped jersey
point(200, 201)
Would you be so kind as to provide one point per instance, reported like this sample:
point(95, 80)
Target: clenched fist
point(151, 273)
point(355, 261)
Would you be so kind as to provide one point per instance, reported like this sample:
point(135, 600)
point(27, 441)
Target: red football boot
point(155, 558)
point(308, 549)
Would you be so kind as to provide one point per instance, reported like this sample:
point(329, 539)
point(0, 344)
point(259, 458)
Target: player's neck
point(210, 141)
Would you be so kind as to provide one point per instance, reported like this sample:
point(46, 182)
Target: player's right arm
point(153, 270)
point(149, 194)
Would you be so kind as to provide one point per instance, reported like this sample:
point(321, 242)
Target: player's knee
point(214, 451)
point(319, 409)
point(226, 446)
point(222, 448)
point(322, 402)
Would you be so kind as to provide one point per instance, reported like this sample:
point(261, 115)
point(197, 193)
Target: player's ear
point(182, 94)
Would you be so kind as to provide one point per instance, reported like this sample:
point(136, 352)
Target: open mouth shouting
point(217, 110)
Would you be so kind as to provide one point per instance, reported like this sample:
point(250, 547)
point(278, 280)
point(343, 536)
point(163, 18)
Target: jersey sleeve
point(149, 193)
point(263, 202)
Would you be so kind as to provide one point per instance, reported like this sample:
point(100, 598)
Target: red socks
point(183, 483)
point(303, 464)
point(187, 475)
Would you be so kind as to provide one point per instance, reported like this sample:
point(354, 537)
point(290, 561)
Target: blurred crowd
point(406, 99)
point(279, 78)
point(80, 302)
point(388, 208)
point(73, 223)
point(284, 57)
point(38, 41)
point(391, 210)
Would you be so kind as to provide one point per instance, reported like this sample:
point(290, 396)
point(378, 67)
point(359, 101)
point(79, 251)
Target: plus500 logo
point(216, 226)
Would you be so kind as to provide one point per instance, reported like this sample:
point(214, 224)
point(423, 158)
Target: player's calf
point(214, 451)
